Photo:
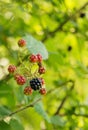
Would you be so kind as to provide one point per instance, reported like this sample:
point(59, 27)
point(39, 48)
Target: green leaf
point(4, 126)
point(13, 125)
point(57, 120)
point(4, 111)
point(39, 108)
point(35, 46)
point(16, 125)
point(7, 93)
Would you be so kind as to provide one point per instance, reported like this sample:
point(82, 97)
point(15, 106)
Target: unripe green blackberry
point(35, 84)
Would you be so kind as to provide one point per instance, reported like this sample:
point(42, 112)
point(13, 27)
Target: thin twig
point(75, 114)
point(83, 115)
point(64, 99)
point(60, 85)
point(50, 34)
point(23, 108)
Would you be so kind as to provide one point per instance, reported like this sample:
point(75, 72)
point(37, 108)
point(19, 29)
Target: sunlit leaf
point(57, 120)
point(39, 108)
point(35, 46)
point(16, 125)
point(4, 126)
point(4, 111)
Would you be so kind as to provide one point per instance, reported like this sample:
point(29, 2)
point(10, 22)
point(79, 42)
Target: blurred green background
point(62, 25)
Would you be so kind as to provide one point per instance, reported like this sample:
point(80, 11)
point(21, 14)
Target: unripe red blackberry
point(35, 84)
point(41, 70)
point(20, 80)
point(28, 90)
point(42, 91)
point(39, 57)
point(21, 43)
point(11, 68)
point(42, 81)
point(33, 58)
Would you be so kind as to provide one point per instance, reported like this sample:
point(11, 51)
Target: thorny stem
point(23, 108)
point(64, 99)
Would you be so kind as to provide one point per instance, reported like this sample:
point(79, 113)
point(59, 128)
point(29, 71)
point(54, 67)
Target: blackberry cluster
point(35, 84)
point(22, 76)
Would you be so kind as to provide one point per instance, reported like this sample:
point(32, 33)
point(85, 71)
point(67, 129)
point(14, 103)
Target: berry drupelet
point(35, 84)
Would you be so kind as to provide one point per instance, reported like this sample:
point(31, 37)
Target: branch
point(50, 34)
point(60, 85)
point(23, 108)
point(75, 114)
point(64, 99)
point(83, 115)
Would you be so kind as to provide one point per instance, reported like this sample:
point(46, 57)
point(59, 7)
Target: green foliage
point(49, 27)
point(57, 120)
point(15, 125)
point(4, 126)
point(3, 111)
point(12, 125)
point(39, 108)
point(36, 47)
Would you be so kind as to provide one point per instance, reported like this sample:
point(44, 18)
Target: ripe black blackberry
point(35, 84)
